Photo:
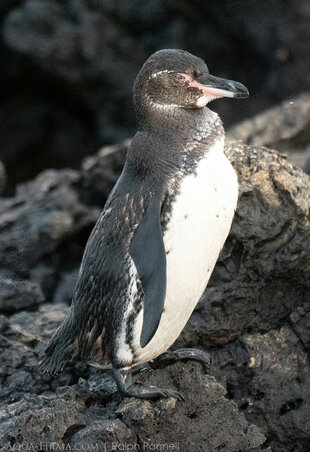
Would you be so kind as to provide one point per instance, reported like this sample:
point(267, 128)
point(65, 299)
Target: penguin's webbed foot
point(121, 376)
point(183, 354)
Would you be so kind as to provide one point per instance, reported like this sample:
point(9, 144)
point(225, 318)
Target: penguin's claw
point(171, 393)
point(185, 354)
point(153, 393)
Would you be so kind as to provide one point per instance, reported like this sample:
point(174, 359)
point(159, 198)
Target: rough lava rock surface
point(254, 320)
point(19, 294)
point(37, 226)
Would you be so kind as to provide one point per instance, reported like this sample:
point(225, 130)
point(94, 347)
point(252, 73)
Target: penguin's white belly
point(200, 221)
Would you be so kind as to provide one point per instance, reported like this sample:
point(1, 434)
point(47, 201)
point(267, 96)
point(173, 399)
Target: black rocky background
point(66, 73)
point(67, 66)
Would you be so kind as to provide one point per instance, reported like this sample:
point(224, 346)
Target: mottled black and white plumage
point(153, 249)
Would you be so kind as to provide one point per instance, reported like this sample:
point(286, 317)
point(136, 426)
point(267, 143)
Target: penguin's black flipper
point(148, 253)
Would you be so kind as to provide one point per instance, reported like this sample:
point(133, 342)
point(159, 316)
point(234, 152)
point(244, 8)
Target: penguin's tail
point(60, 350)
point(51, 365)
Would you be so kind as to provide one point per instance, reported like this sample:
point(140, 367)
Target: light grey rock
point(285, 127)
point(16, 295)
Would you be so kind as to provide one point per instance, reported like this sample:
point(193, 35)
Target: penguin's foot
point(183, 354)
point(121, 378)
point(145, 367)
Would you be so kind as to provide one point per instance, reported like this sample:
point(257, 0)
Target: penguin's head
point(175, 78)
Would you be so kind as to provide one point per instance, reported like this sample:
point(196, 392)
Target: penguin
point(153, 249)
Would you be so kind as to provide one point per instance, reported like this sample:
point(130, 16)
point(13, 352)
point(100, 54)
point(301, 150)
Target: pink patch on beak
point(207, 90)
point(195, 84)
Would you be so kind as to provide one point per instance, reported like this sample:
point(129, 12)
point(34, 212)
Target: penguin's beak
point(220, 87)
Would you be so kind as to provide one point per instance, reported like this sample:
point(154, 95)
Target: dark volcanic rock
point(188, 421)
point(18, 294)
point(29, 421)
point(46, 135)
point(101, 171)
point(105, 435)
point(41, 325)
point(3, 180)
point(76, 415)
point(267, 374)
point(36, 223)
point(300, 323)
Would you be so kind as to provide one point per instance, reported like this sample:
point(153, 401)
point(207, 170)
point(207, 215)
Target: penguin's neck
point(177, 124)
point(171, 142)
point(178, 138)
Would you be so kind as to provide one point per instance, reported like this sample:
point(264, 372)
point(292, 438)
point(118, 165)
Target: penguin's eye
point(180, 77)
